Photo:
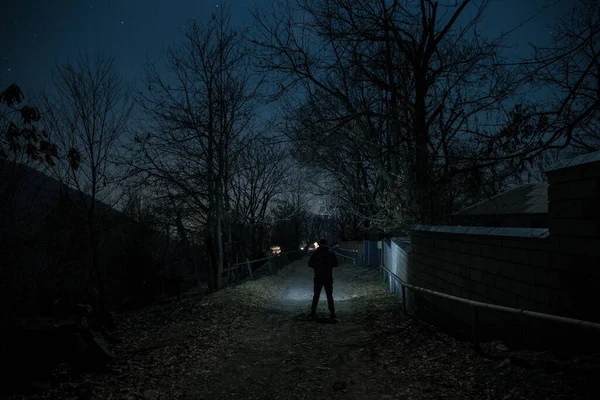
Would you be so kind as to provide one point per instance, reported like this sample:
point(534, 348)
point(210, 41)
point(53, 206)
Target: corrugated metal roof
point(531, 198)
point(583, 159)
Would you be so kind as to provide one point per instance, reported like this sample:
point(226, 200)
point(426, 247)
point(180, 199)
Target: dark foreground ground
point(255, 341)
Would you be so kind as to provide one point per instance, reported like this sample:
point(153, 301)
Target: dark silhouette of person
point(323, 262)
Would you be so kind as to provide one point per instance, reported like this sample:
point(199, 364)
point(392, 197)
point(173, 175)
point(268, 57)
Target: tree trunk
point(100, 295)
point(187, 246)
point(253, 241)
point(212, 276)
point(261, 239)
point(421, 173)
point(93, 242)
point(219, 242)
point(296, 236)
point(165, 256)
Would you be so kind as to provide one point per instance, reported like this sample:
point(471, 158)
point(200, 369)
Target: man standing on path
point(323, 261)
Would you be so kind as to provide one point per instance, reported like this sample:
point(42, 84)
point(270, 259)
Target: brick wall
point(554, 271)
point(574, 211)
point(504, 266)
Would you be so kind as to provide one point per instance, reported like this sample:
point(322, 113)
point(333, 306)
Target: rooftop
point(531, 198)
point(571, 162)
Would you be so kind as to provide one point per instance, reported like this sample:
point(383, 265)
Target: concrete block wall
point(504, 266)
point(554, 271)
point(574, 222)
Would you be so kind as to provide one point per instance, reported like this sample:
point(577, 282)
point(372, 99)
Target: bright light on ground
point(306, 294)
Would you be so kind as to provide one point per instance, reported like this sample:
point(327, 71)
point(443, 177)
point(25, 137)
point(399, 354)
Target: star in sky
point(28, 36)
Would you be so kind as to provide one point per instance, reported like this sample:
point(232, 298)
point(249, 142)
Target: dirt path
point(255, 341)
point(282, 350)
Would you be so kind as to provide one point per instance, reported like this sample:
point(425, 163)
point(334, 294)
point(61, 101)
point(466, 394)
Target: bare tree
point(417, 90)
point(289, 213)
point(88, 114)
point(202, 115)
point(261, 174)
point(568, 73)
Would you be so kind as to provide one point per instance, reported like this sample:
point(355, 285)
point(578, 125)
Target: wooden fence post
point(249, 269)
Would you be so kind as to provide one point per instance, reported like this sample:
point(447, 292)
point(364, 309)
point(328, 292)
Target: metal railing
point(247, 265)
point(341, 255)
point(475, 305)
point(239, 266)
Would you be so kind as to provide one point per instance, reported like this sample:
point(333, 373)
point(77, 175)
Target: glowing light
point(275, 250)
point(316, 245)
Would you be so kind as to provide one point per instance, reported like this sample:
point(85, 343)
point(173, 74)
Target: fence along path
point(351, 260)
point(249, 269)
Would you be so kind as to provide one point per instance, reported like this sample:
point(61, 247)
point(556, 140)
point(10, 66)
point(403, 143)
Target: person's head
point(322, 242)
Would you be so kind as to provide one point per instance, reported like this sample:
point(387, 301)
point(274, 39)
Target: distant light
point(276, 250)
point(301, 248)
point(121, 22)
point(316, 245)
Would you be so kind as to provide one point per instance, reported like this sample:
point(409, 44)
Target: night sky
point(35, 34)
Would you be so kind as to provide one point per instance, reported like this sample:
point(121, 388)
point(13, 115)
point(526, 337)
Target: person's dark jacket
point(323, 261)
